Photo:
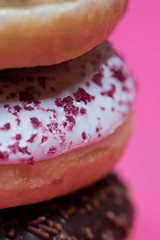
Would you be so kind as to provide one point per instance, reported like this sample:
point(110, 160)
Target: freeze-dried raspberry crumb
point(32, 138)
point(71, 119)
point(4, 155)
point(18, 137)
point(17, 108)
point(118, 74)
point(59, 102)
point(109, 93)
point(44, 139)
point(83, 111)
point(6, 127)
point(97, 79)
point(35, 122)
point(84, 136)
point(82, 95)
point(52, 150)
point(28, 108)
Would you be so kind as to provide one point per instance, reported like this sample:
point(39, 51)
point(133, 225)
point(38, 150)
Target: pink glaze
point(48, 111)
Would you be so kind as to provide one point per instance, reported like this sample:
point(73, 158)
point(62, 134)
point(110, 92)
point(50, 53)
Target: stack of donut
point(66, 111)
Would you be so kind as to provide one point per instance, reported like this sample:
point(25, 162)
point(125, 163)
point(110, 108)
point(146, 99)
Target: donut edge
point(50, 34)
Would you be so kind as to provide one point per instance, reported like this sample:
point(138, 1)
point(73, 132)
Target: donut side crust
point(49, 33)
point(102, 211)
point(26, 184)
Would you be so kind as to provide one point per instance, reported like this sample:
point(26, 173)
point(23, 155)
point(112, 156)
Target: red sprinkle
point(52, 150)
point(52, 127)
point(84, 136)
point(82, 95)
point(7, 106)
point(109, 93)
point(71, 119)
point(44, 139)
point(6, 127)
point(14, 147)
point(29, 108)
point(83, 111)
point(59, 102)
point(125, 89)
point(4, 155)
point(32, 138)
point(18, 137)
point(64, 124)
point(68, 99)
point(97, 79)
point(118, 74)
point(17, 108)
point(24, 150)
point(35, 122)
point(71, 109)
point(102, 108)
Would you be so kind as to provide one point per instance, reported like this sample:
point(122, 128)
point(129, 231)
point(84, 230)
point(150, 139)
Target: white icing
point(105, 111)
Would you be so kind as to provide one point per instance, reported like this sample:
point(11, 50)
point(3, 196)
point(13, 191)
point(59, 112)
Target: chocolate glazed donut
point(100, 212)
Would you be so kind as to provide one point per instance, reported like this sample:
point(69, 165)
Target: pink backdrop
point(137, 38)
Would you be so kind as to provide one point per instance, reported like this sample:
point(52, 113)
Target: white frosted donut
point(76, 114)
point(52, 110)
point(34, 32)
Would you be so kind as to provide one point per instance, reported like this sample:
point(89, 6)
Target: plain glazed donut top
point(47, 111)
point(46, 32)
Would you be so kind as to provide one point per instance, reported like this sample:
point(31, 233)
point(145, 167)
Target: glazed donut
point(62, 127)
point(40, 32)
point(101, 212)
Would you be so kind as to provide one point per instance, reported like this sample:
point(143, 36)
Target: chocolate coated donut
point(100, 212)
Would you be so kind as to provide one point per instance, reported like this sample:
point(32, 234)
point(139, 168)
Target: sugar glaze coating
point(52, 110)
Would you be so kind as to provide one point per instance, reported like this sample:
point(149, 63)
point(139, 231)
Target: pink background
point(137, 39)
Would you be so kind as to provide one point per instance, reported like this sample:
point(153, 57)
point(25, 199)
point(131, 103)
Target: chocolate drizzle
point(100, 212)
